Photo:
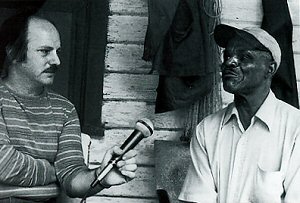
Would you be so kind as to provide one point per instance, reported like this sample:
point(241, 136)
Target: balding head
point(41, 32)
point(40, 25)
point(14, 34)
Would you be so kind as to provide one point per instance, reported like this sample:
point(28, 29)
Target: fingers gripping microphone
point(143, 128)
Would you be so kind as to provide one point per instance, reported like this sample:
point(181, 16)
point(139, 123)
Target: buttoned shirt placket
point(239, 160)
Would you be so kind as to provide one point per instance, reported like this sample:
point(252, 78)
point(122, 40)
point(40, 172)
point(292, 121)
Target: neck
point(247, 105)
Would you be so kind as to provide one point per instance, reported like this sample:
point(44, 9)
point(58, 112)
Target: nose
point(55, 59)
point(231, 62)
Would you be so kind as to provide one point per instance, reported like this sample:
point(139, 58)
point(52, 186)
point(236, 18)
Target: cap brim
point(223, 33)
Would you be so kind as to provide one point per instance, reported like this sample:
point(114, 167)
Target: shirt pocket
point(268, 186)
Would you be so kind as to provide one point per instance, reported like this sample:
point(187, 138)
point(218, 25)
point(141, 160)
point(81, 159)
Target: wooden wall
point(128, 95)
point(129, 91)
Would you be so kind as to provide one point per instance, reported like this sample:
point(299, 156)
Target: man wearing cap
point(248, 151)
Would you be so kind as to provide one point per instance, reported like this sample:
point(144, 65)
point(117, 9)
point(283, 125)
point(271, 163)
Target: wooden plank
point(126, 113)
point(296, 39)
point(97, 199)
point(298, 88)
point(126, 58)
point(294, 12)
point(130, 86)
point(251, 11)
point(297, 65)
point(244, 10)
point(118, 136)
point(127, 29)
point(129, 7)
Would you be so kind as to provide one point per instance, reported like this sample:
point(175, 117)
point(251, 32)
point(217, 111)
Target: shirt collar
point(266, 112)
point(230, 112)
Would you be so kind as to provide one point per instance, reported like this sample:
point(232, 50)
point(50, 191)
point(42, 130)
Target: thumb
point(114, 151)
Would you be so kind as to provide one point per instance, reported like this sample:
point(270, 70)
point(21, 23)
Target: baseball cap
point(223, 33)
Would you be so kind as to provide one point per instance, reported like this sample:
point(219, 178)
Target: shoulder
point(214, 120)
point(62, 104)
point(59, 100)
point(3, 90)
point(288, 111)
point(286, 121)
point(4, 93)
point(210, 125)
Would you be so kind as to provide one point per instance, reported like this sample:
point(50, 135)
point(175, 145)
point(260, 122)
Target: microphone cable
point(83, 200)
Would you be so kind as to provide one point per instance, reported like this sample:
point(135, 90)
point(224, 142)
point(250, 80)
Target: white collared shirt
point(259, 164)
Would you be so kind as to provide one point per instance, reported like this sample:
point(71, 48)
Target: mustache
point(228, 71)
point(51, 69)
point(228, 68)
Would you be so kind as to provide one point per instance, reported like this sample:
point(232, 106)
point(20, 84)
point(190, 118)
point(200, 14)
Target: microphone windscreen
point(145, 126)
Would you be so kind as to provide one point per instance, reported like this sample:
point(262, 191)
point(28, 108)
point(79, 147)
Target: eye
point(246, 56)
point(44, 52)
point(225, 56)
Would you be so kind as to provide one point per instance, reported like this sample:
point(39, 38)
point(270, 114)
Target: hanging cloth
point(278, 23)
point(177, 43)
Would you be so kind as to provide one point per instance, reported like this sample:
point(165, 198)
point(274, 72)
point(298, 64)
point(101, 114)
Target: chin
point(230, 88)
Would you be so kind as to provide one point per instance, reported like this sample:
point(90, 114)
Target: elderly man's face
point(42, 54)
point(244, 70)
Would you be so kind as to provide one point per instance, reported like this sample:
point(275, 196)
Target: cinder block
point(171, 163)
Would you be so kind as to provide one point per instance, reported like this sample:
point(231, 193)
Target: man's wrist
point(101, 182)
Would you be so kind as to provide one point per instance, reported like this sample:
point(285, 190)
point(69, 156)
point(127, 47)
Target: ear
point(9, 52)
point(272, 68)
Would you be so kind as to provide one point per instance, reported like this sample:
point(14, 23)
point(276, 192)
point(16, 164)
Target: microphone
point(143, 128)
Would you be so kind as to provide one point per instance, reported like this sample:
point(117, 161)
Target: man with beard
point(40, 143)
point(250, 150)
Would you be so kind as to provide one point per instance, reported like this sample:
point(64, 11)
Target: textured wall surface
point(129, 91)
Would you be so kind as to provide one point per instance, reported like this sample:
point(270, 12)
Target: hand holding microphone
point(120, 161)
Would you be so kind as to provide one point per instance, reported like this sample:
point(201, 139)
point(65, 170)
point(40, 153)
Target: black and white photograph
point(149, 101)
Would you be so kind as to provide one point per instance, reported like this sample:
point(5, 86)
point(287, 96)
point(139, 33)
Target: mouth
point(229, 74)
point(51, 70)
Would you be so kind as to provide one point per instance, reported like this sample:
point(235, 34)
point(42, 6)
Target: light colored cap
point(223, 33)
